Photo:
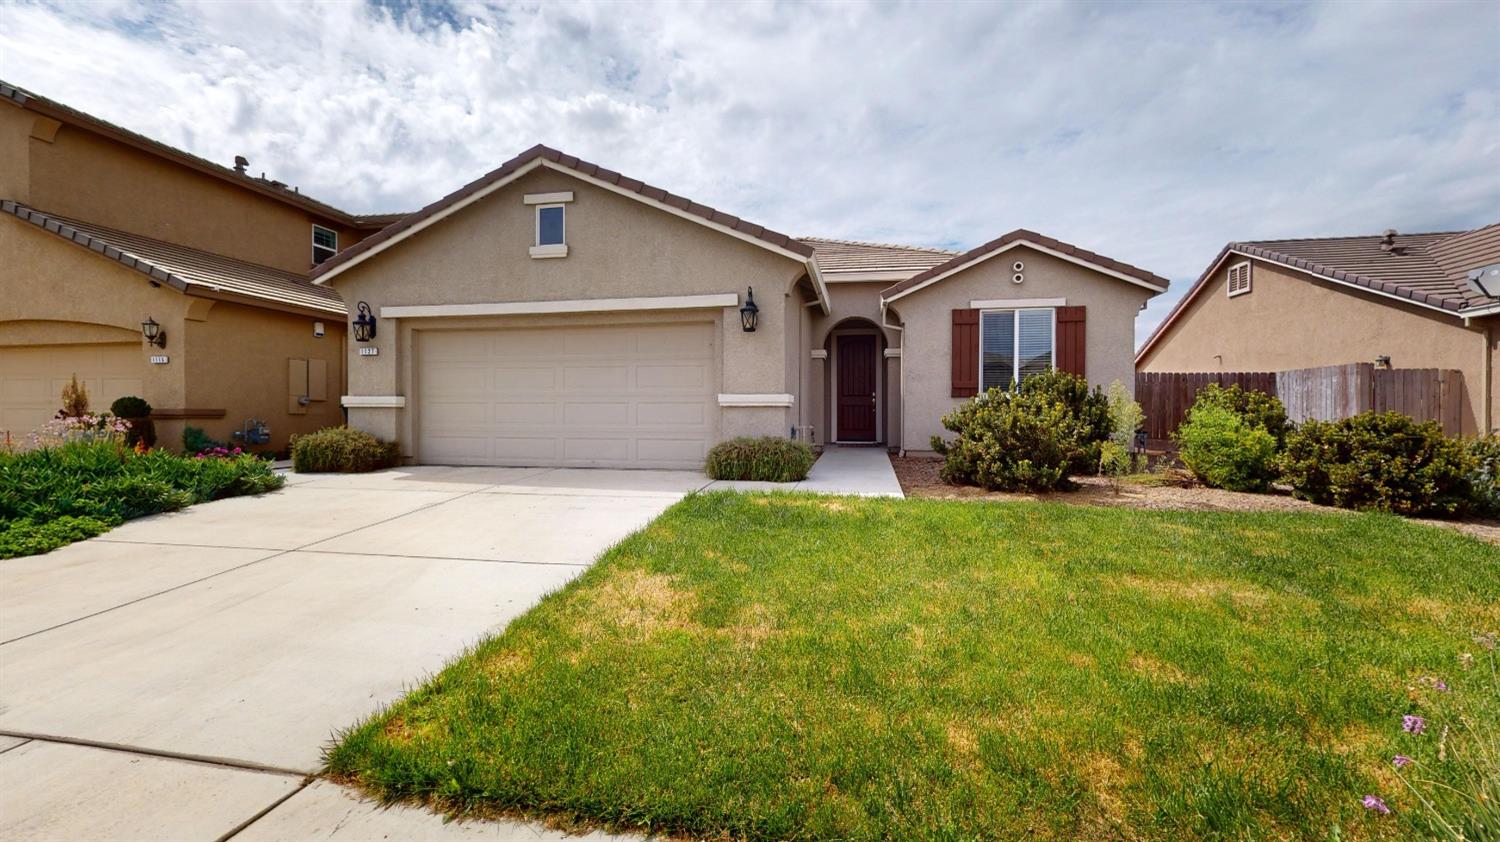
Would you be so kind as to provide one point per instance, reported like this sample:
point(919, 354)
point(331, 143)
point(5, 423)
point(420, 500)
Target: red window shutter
point(1070, 344)
point(965, 353)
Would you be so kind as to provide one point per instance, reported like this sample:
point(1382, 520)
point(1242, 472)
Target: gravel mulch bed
point(1177, 490)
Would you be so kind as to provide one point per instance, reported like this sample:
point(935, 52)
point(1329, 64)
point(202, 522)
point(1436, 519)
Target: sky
point(1153, 133)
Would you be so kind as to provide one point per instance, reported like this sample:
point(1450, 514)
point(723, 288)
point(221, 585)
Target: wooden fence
point(1327, 393)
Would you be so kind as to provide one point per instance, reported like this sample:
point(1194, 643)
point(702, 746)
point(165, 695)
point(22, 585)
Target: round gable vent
point(1017, 278)
point(1018, 266)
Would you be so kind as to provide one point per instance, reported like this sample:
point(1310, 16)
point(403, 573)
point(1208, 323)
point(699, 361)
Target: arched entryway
point(856, 387)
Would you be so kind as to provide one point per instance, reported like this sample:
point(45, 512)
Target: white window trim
point(1015, 372)
point(1016, 303)
point(548, 198)
point(778, 400)
point(1229, 282)
point(549, 249)
point(335, 250)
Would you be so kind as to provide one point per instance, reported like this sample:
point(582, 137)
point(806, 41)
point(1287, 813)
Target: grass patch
point(793, 667)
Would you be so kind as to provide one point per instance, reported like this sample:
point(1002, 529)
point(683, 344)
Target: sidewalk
point(860, 471)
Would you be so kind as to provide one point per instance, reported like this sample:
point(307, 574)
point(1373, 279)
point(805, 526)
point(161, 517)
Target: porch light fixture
point(364, 324)
point(153, 333)
point(748, 312)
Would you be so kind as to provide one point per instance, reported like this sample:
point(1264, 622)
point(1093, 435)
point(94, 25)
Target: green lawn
point(790, 667)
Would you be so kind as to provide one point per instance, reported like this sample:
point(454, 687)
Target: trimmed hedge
point(56, 495)
point(342, 450)
point(766, 459)
point(1224, 449)
point(1381, 461)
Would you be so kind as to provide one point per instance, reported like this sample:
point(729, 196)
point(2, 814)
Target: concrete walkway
point(178, 677)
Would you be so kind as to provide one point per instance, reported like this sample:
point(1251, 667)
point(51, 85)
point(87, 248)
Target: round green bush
point(1381, 461)
point(764, 459)
point(1225, 450)
point(1484, 480)
point(1257, 408)
point(130, 407)
point(342, 450)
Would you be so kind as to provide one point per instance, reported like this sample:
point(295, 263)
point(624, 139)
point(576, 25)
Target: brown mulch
point(919, 478)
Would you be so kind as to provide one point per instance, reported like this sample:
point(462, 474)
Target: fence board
point(1327, 393)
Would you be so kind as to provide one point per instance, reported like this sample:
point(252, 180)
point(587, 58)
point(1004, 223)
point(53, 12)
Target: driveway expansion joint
point(203, 759)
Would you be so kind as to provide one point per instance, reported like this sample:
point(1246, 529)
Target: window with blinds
point(1014, 344)
point(1239, 279)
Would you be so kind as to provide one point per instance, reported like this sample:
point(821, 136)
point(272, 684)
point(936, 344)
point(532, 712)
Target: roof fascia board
point(969, 264)
point(849, 276)
point(215, 294)
point(429, 221)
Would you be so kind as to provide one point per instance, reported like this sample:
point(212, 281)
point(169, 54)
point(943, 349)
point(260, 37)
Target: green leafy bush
point(195, 440)
point(766, 459)
point(130, 407)
point(1484, 480)
point(342, 450)
point(1382, 461)
point(55, 495)
point(1224, 449)
point(1257, 408)
point(1030, 436)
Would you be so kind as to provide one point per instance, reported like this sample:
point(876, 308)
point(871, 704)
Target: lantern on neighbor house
point(364, 324)
point(748, 312)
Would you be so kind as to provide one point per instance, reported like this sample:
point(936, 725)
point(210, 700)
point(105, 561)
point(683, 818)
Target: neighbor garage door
point(639, 396)
point(32, 380)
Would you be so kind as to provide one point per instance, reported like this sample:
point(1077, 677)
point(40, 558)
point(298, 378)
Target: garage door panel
point(32, 379)
point(615, 396)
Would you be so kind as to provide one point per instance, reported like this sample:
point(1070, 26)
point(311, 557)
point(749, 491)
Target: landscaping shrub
point(1030, 436)
point(195, 440)
point(52, 496)
point(1224, 449)
point(137, 413)
point(764, 459)
point(1382, 461)
point(342, 450)
point(1257, 408)
point(1484, 479)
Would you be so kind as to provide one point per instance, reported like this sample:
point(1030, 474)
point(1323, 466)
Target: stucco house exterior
point(102, 230)
point(554, 312)
point(1399, 300)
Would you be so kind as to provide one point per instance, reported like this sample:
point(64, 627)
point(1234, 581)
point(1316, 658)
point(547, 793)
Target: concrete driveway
point(178, 677)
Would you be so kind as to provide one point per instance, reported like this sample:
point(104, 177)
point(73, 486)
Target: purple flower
point(1440, 684)
point(1373, 802)
point(1402, 760)
point(1413, 724)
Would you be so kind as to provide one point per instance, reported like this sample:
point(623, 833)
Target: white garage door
point(639, 396)
point(32, 380)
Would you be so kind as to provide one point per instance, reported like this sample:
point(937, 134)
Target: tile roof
point(564, 160)
point(1023, 235)
point(1429, 269)
point(275, 190)
point(1426, 268)
point(854, 256)
point(187, 269)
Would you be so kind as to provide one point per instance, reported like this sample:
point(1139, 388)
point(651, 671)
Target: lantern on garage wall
point(748, 313)
point(153, 333)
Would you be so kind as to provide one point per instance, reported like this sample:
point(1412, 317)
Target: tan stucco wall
point(618, 248)
point(83, 175)
point(1289, 320)
point(927, 316)
point(236, 359)
point(220, 355)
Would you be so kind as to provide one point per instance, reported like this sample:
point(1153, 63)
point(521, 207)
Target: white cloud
point(1153, 134)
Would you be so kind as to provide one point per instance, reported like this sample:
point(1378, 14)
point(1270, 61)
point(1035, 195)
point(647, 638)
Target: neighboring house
point(103, 230)
point(1400, 300)
point(554, 312)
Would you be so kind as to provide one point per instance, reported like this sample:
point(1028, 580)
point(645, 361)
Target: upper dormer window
point(325, 244)
point(1239, 279)
point(551, 223)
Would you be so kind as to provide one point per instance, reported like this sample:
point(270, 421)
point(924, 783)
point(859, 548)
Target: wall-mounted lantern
point(364, 324)
point(153, 333)
point(748, 312)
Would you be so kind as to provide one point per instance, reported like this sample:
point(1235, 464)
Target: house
point(103, 231)
point(554, 312)
point(1395, 300)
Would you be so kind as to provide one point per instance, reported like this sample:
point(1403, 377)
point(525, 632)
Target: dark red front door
point(856, 388)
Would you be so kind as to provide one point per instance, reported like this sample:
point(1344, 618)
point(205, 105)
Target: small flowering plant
point(219, 453)
point(1450, 761)
point(78, 428)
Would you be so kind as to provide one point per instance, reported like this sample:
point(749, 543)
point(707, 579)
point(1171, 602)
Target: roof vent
point(1388, 242)
point(240, 162)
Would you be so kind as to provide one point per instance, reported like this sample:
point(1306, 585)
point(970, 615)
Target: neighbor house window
point(551, 231)
point(325, 243)
point(1239, 279)
point(1014, 344)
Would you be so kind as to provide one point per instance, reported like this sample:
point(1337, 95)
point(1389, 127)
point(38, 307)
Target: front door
point(856, 387)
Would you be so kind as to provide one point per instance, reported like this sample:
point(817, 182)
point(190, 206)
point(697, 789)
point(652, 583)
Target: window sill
point(549, 251)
